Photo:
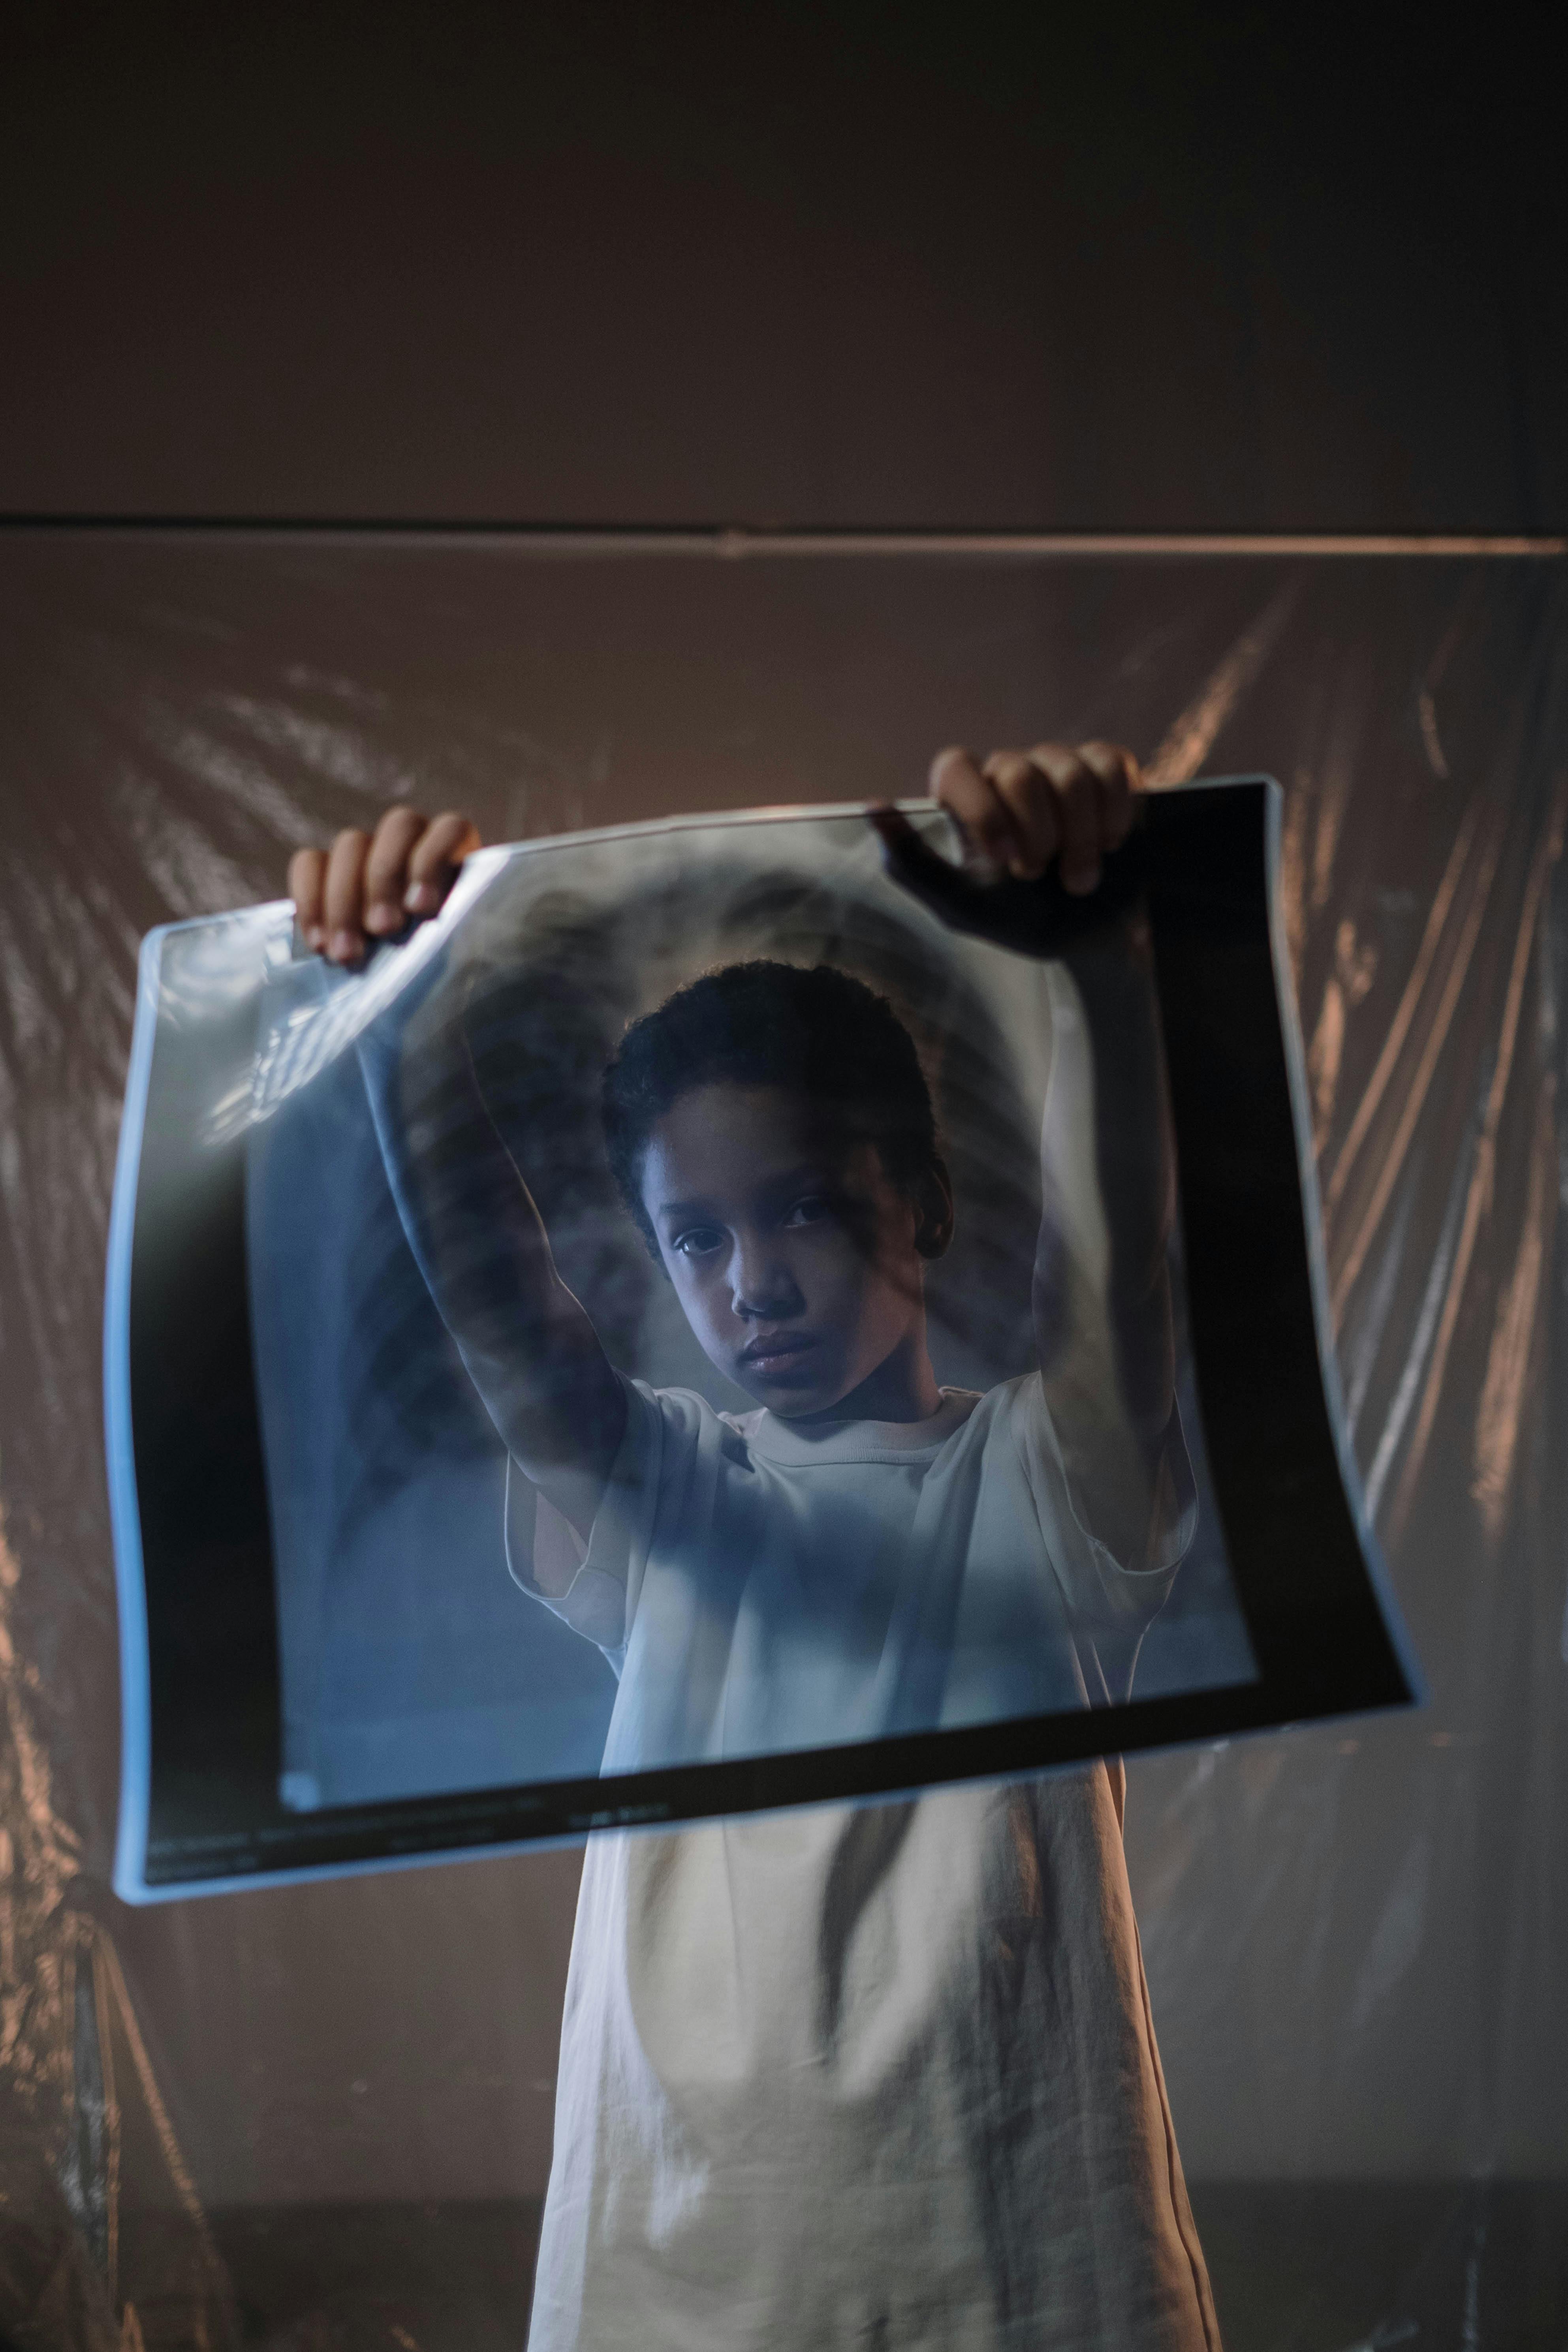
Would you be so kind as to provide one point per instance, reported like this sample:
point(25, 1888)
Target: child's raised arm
point(1101, 1292)
point(529, 1346)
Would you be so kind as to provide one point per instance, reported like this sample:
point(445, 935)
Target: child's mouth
point(775, 1352)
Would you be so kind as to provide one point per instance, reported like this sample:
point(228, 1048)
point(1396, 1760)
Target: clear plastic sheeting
point(322, 2116)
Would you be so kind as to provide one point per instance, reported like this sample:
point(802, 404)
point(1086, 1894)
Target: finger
point(1031, 803)
point(434, 861)
point(975, 806)
point(1119, 779)
point(1077, 813)
point(307, 887)
point(385, 871)
point(344, 907)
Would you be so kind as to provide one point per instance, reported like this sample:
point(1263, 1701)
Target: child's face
point(791, 1252)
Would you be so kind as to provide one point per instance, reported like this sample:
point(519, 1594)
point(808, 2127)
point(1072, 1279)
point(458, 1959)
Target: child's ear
point(933, 1204)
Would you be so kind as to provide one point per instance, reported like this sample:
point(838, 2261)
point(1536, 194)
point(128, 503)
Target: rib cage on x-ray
point(504, 1691)
point(411, 1663)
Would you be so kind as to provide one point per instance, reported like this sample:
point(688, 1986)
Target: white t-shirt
point(879, 2075)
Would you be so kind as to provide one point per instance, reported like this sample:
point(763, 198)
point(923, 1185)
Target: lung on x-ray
point(717, 1320)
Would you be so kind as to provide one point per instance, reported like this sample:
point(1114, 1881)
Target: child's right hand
point(373, 886)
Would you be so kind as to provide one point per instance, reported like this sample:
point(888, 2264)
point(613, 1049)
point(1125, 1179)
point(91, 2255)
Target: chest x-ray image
point(717, 1320)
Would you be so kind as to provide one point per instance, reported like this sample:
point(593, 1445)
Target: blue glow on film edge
point(135, 1697)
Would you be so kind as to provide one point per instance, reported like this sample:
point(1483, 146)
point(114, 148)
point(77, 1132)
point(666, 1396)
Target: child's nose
point(760, 1285)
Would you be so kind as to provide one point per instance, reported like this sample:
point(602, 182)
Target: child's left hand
point(1023, 809)
point(1019, 814)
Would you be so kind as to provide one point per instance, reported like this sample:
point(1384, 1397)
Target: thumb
point(934, 880)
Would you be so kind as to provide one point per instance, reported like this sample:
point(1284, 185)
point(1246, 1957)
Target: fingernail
point(421, 898)
point(344, 948)
point(383, 918)
point(1080, 879)
point(315, 937)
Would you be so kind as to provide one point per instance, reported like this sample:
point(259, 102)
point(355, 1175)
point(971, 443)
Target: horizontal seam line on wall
point(735, 542)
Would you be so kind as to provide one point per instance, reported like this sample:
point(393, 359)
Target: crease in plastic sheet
point(1356, 1938)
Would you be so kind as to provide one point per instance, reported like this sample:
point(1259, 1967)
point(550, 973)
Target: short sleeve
point(600, 1601)
point(1101, 1584)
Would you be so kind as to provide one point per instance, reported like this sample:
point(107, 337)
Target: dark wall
point(1225, 268)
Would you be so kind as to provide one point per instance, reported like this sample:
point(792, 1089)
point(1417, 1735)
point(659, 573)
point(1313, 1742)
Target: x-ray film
point(715, 1321)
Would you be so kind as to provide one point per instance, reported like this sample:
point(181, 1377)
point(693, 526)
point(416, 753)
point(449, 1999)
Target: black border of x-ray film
point(200, 1807)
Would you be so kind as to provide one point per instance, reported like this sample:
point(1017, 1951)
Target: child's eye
point(810, 1210)
point(697, 1241)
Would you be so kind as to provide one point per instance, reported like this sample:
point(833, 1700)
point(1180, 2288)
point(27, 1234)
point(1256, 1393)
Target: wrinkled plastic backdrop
point(319, 2116)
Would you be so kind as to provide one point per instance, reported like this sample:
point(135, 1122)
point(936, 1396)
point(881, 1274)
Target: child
point(880, 2076)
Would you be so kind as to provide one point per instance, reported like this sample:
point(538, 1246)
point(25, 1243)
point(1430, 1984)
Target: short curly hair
point(815, 1030)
